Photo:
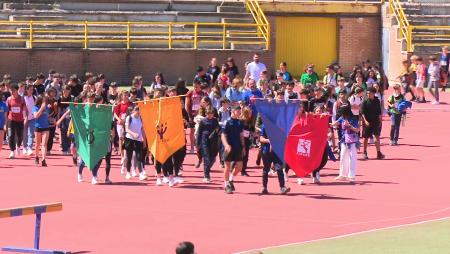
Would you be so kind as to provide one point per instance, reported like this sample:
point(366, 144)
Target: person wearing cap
point(434, 80)
point(192, 105)
point(372, 118)
point(309, 78)
point(255, 68)
point(203, 78)
point(396, 115)
point(234, 148)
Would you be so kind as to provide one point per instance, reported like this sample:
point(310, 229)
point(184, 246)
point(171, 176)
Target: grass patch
point(429, 238)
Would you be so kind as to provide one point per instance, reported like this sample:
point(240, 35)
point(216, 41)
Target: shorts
point(41, 129)
point(372, 130)
point(120, 131)
point(233, 155)
point(420, 83)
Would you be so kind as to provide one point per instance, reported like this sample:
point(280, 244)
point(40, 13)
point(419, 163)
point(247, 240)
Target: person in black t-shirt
point(39, 87)
point(318, 101)
point(213, 70)
point(207, 141)
point(64, 118)
point(371, 116)
point(233, 142)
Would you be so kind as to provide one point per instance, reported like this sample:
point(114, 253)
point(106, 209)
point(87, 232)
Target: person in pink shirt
point(16, 111)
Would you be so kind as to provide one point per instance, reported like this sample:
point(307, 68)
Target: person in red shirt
point(16, 111)
point(192, 105)
point(120, 113)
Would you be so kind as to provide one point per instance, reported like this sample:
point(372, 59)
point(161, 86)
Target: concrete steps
point(114, 35)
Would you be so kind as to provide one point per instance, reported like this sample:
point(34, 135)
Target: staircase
point(430, 25)
point(127, 24)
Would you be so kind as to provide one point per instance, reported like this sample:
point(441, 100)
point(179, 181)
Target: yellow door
point(304, 40)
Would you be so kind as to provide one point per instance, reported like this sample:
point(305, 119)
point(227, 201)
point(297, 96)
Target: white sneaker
point(142, 177)
point(143, 172)
point(206, 180)
point(24, 151)
point(315, 180)
point(80, 178)
point(108, 181)
point(172, 182)
point(94, 180)
point(435, 103)
point(29, 152)
point(178, 179)
point(128, 176)
point(12, 155)
point(165, 180)
point(300, 181)
point(158, 181)
point(133, 173)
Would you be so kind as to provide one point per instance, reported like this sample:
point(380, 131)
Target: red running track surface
point(410, 185)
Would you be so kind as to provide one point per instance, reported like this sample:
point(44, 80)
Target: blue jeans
point(395, 126)
point(28, 134)
point(65, 141)
point(208, 160)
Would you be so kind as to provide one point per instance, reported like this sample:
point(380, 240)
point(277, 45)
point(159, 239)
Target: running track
point(138, 217)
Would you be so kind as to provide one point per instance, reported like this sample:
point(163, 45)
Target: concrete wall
point(119, 65)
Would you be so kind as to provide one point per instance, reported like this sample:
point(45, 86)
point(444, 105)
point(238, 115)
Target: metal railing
point(327, 1)
point(408, 32)
point(85, 34)
point(261, 20)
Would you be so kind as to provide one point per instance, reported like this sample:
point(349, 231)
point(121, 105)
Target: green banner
point(92, 126)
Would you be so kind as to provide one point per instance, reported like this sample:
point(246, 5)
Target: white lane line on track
point(395, 219)
point(343, 236)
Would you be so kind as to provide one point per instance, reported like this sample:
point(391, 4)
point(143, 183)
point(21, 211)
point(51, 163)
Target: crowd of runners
point(221, 120)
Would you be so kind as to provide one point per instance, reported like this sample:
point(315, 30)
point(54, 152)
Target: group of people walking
point(221, 121)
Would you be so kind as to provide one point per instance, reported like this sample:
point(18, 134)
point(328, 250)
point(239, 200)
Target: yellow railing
point(405, 29)
point(261, 20)
point(330, 1)
point(87, 34)
point(408, 31)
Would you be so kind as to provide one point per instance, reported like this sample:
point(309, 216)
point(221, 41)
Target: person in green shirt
point(309, 78)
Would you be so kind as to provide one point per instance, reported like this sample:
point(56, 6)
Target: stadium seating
point(182, 13)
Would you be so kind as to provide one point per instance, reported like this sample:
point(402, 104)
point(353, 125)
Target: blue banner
point(277, 117)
